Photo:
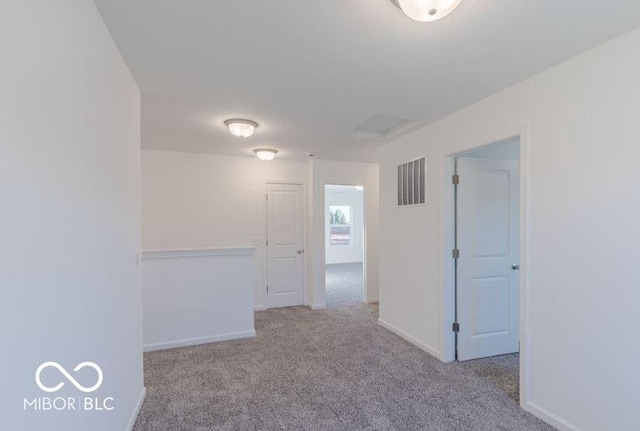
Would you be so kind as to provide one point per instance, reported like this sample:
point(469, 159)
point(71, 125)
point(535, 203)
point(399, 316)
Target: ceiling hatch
point(380, 127)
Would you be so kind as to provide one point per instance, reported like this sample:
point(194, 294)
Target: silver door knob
point(300, 251)
point(515, 267)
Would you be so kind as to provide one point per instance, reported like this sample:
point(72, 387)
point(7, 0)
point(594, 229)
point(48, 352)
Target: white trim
point(136, 410)
point(549, 418)
point(197, 252)
point(259, 308)
point(429, 349)
point(322, 251)
point(288, 182)
point(447, 337)
point(199, 340)
point(447, 273)
point(525, 290)
point(318, 306)
point(373, 301)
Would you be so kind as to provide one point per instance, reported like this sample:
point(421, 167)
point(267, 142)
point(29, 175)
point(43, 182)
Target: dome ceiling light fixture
point(265, 154)
point(427, 10)
point(241, 127)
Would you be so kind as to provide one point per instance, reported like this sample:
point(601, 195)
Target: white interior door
point(285, 263)
point(488, 240)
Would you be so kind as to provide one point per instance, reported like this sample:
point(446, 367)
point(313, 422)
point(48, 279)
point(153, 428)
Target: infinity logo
point(69, 377)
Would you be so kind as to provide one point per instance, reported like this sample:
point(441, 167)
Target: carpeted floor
point(345, 284)
point(333, 369)
point(503, 371)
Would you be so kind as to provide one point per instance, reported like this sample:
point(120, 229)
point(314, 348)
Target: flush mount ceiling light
point(240, 127)
point(265, 153)
point(427, 10)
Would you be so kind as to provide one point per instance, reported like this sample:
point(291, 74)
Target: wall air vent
point(412, 182)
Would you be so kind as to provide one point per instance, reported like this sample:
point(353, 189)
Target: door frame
point(468, 347)
point(305, 243)
point(448, 244)
point(325, 183)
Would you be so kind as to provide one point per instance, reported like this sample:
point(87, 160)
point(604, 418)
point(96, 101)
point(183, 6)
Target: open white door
point(285, 267)
point(488, 240)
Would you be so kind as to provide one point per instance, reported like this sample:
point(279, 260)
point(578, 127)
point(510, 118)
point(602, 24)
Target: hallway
point(345, 284)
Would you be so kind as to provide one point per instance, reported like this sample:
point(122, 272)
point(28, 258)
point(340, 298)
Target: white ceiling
point(311, 71)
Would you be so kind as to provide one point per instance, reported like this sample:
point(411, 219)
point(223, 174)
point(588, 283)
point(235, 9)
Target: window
point(340, 226)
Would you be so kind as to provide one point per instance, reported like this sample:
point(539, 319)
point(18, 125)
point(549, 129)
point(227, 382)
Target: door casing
point(447, 267)
point(364, 235)
point(492, 270)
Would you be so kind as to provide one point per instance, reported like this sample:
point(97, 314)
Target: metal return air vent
point(411, 182)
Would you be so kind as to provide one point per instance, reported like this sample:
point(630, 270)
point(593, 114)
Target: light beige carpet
point(502, 371)
point(333, 369)
point(345, 284)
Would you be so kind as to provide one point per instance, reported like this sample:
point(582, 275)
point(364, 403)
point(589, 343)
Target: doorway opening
point(487, 234)
point(344, 245)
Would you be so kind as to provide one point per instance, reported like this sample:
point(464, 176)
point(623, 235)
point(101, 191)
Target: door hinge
point(267, 289)
point(456, 327)
point(267, 243)
point(455, 179)
point(455, 253)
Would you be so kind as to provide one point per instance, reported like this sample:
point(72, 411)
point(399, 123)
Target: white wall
point(69, 225)
point(197, 296)
point(347, 196)
point(579, 121)
point(204, 200)
point(325, 172)
point(504, 150)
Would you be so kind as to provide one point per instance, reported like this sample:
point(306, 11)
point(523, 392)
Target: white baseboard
point(136, 410)
point(259, 308)
point(200, 340)
point(373, 301)
point(318, 306)
point(549, 417)
point(430, 350)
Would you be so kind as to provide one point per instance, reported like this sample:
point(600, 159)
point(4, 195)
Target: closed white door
point(488, 240)
point(285, 263)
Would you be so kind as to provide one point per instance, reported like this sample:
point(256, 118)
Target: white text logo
point(68, 376)
point(69, 403)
